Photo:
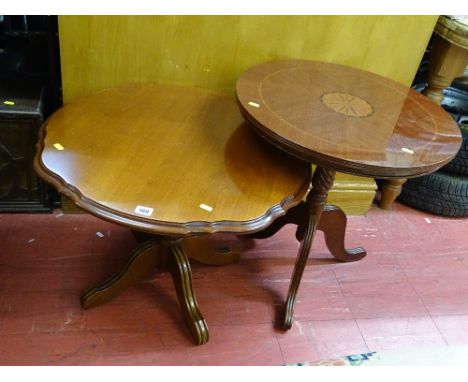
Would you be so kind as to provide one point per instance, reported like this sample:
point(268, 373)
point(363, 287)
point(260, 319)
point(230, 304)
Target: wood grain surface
point(347, 119)
point(98, 52)
point(184, 153)
point(212, 51)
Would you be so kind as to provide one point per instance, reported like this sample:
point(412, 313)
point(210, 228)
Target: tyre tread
point(440, 193)
point(459, 165)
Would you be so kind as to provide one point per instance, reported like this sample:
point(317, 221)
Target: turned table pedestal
point(343, 119)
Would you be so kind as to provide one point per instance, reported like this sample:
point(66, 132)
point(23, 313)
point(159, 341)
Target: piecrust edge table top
point(153, 225)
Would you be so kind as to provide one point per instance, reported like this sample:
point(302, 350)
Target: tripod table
point(343, 119)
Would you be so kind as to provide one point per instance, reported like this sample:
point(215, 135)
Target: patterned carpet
point(440, 356)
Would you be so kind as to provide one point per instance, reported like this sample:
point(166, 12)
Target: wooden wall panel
point(211, 51)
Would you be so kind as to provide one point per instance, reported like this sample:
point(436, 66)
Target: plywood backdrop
point(212, 51)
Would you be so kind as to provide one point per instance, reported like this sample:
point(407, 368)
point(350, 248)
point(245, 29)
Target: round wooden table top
point(169, 160)
point(347, 119)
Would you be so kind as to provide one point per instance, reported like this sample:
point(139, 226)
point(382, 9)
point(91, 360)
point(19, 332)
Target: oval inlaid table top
point(347, 119)
point(168, 159)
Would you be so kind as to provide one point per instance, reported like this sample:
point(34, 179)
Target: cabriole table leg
point(332, 223)
point(164, 253)
point(322, 182)
point(179, 267)
point(145, 256)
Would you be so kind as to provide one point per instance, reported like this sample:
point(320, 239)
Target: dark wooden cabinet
point(30, 91)
point(21, 116)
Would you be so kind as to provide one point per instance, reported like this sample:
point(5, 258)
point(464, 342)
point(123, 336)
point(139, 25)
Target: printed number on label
point(145, 211)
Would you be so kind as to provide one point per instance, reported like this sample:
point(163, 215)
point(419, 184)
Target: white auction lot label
point(145, 211)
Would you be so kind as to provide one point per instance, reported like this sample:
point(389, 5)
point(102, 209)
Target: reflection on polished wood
point(184, 153)
point(347, 119)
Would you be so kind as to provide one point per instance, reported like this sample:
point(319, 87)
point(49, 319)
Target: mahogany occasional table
point(173, 163)
point(343, 119)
